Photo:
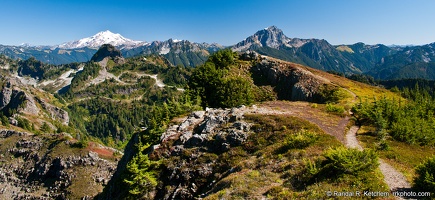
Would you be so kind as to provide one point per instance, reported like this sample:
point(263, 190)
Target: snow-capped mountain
point(104, 37)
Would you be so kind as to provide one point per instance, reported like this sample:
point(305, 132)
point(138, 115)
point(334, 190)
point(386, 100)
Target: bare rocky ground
point(331, 124)
point(48, 167)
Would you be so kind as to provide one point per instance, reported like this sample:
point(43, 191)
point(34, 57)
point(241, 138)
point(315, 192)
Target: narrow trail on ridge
point(395, 180)
point(335, 126)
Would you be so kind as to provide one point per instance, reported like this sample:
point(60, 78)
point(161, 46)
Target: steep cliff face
point(291, 81)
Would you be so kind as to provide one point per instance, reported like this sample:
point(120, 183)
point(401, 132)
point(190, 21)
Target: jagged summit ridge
point(272, 37)
point(103, 37)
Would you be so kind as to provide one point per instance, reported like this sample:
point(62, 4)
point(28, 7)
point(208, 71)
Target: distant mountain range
point(379, 61)
point(178, 52)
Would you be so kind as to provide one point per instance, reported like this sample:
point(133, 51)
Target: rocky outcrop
point(33, 168)
point(108, 50)
point(291, 81)
point(54, 112)
point(209, 129)
point(16, 99)
point(197, 137)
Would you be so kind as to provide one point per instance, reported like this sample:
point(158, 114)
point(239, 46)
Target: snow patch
point(26, 80)
point(63, 80)
point(425, 59)
point(164, 50)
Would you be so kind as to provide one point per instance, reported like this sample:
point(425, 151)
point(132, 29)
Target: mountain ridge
point(379, 61)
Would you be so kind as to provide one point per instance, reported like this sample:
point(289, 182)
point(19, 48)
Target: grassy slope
point(266, 169)
point(402, 156)
point(361, 90)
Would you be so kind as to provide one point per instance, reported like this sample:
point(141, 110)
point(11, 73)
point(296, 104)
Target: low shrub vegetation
point(335, 109)
point(425, 179)
point(411, 122)
point(300, 140)
point(350, 161)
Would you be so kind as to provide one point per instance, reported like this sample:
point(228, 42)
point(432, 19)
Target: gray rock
point(197, 140)
point(198, 114)
point(185, 137)
point(5, 97)
point(93, 155)
point(295, 83)
point(170, 133)
point(13, 121)
point(25, 102)
point(100, 180)
point(54, 112)
point(177, 150)
point(236, 138)
point(240, 125)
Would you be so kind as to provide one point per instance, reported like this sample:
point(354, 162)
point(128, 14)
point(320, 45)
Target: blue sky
point(224, 21)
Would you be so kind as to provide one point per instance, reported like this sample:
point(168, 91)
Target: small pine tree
point(141, 179)
point(5, 121)
point(45, 128)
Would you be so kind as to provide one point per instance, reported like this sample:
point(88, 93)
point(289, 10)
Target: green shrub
point(410, 121)
point(350, 161)
point(424, 181)
point(4, 120)
point(45, 128)
point(336, 109)
point(80, 144)
point(300, 140)
point(216, 86)
point(25, 124)
point(332, 94)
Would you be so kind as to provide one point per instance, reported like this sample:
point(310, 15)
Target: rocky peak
point(106, 50)
point(14, 98)
point(272, 37)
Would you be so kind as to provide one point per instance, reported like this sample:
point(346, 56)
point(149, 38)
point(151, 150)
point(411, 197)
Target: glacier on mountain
point(104, 37)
